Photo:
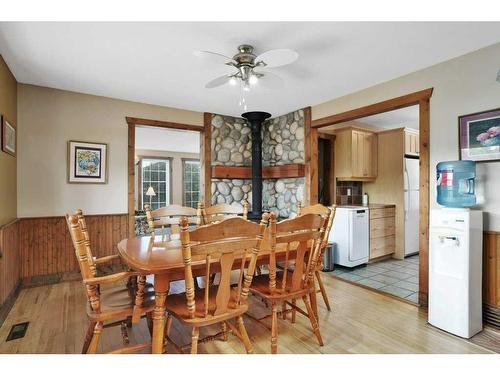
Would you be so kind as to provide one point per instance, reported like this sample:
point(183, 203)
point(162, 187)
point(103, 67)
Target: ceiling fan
point(248, 66)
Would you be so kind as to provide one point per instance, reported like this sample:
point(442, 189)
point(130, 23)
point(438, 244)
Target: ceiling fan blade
point(219, 81)
point(213, 57)
point(271, 80)
point(278, 57)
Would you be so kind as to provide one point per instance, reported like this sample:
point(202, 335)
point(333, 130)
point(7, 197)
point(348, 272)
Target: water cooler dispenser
point(455, 253)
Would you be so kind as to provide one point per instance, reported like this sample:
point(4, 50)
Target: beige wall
point(463, 85)
point(52, 117)
point(176, 169)
point(8, 173)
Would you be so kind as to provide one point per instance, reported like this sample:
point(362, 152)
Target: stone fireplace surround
point(282, 144)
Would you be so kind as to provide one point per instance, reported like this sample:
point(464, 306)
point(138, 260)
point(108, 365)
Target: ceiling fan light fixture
point(233, 81)
point(253, 79)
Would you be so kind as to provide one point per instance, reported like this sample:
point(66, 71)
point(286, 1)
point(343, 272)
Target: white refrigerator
point(411, 204)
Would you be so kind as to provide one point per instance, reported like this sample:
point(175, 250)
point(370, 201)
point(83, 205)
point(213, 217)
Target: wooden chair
point(329, 215)
point(303, 236)
point(110, 297)
point(216, 213)
point(168, 217)
point(217, 246)
point(221, 211)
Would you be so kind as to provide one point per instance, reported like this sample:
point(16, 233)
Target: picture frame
point(9, 137)
point(479, 136)
point(87, 162)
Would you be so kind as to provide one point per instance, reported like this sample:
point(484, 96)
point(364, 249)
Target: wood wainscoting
point(9, 267)
point(491, 277)
point(46, 250)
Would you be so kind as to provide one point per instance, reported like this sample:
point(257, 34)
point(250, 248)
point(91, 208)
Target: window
point(155, 173)
point(191, 182)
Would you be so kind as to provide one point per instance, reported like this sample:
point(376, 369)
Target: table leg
point(161, 291)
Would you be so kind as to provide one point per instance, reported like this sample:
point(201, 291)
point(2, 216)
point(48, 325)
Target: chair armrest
point(106, 259)
point(109, 279)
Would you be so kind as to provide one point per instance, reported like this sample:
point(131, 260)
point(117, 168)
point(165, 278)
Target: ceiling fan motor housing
point(244, 61)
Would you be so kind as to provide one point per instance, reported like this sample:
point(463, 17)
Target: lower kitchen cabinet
point(382, 232)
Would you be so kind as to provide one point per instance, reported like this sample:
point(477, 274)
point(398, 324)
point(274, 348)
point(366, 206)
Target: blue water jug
point(455, 183)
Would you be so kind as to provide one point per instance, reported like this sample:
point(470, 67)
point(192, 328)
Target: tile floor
point(397, 277)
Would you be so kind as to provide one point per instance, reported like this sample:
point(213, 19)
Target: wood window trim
point(205, 140)
point(422, 99)
point(184, 160)
point(139, 183)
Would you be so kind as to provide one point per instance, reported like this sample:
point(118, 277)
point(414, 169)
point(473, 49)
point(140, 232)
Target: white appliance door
point(411, 221)
point(358, 235)
point(411, 174)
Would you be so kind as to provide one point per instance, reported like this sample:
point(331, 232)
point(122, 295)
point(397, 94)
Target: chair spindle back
point(84, 256)
point(221, 211)
point(303, 235)
point(221, 244)
point(168, 217)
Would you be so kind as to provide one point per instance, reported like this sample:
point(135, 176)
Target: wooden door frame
point(422, 99)
point(205, 156)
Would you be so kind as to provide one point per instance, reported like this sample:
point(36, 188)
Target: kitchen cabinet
point(382, 232)
point(412, 142)
point(355, 154)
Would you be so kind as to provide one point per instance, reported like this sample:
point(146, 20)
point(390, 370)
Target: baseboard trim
point(53, 278)
point(9, 302)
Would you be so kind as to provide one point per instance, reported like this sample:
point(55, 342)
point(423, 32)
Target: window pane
point(154, 174)
point(191, 175)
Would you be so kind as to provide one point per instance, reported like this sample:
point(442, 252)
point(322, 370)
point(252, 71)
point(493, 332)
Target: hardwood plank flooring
point(361, 322)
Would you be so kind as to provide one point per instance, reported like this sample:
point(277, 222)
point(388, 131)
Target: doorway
point(422, 100)
point(167, 164)
point(392, 266)
point(167, 170)
point(326, 176)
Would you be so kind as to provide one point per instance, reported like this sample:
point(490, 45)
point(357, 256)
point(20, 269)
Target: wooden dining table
point(163, 259)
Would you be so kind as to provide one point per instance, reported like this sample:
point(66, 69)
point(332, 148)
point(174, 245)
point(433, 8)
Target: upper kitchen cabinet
point(355, 154)
point(412, 144)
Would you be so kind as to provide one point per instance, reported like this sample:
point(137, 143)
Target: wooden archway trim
point(374, 109)
point(162, 124)
point(422, 99)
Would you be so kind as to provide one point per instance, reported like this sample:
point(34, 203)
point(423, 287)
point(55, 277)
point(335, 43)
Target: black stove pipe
point(255, 120)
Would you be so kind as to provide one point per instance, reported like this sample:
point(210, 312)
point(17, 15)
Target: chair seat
point(177, 306)
point(260, 286)
point(118, 300)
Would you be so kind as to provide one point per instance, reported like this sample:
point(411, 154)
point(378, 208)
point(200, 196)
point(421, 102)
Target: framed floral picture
point(87, 162)
point(479, 136)
point(8, 137)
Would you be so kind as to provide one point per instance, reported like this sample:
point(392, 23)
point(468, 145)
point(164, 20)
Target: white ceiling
point(154, 62)
point(159, 139)
point(404, 117)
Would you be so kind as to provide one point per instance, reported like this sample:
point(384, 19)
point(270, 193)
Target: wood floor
point(361, 322)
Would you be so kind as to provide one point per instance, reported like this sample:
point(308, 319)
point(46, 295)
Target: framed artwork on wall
point(9, 144)
point(87, 162)
point(479, 136)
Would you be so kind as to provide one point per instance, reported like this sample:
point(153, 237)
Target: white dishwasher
point(350, 232)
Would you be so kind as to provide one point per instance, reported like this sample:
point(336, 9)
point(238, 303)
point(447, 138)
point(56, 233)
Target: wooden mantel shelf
point(278, 171)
